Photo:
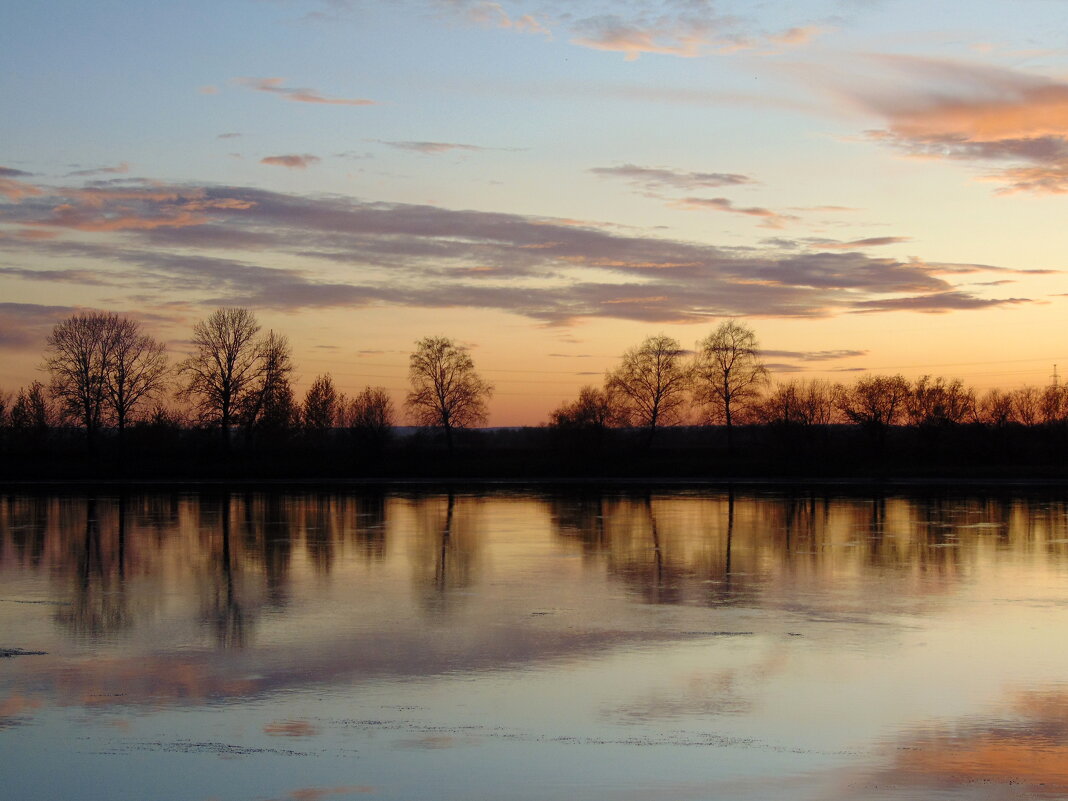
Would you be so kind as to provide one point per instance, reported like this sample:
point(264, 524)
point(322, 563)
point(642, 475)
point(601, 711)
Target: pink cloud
point(291, 161)
point(297, 94)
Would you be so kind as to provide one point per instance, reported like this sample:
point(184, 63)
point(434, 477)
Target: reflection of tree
point(224, 612)
point(369, 526)
point(98, 605)
point(445, 550)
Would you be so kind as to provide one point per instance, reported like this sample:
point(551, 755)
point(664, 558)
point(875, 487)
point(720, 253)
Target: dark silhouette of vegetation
point(660, 412)
point(728, 373)
point(224, 367)
point(446, 393)
point(650, 385)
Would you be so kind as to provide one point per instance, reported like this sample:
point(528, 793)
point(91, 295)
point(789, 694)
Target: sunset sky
point(874, 185)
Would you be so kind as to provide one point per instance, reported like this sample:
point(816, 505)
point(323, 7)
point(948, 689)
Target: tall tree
point(651, 383)
point(728, 373)
point(224, 366)
point(78, 353)
point(137, 370)
point(875, 403)
point(446, 393)
point(269, 403)
point(370, 418)
point(320, 410)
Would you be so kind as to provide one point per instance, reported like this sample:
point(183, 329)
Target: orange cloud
point(298, 94)
point(319, 793)
point(292, 161)
point(772, 218)
point(15, 190)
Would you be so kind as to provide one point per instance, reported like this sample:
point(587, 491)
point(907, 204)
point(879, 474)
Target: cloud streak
point(194, 243)
point(298, 94)
point(292, 161)
point(666, 177)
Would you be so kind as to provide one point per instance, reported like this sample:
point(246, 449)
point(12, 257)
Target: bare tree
point(799, 402)
point(1026, 404)
point(370, 418)
point(938, 402)
point(137, 371)
point(592, 410)
point(996, 408)
point(269, 404)
point(446, 393)
point(321, 404)
point(78, 353)
point(728, 373)
point(224, 365)
point(651, 383)
point(31, 411)
point(875, 403)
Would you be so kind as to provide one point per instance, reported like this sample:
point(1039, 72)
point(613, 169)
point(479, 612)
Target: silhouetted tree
point(800, 402)
point(996, 408)
point(585, 420)
point(446, 393)
point(321, 407)
point(269, 403)
point(136, 371)
point(1053, 404)
point(875, 403)
point(728, 373)
point(651, 383)
point(78, 353)
point(371, 417)
point(592, 410)
point(1026, 402)
point(937, 402)
point(31, 414)
point(224, 365)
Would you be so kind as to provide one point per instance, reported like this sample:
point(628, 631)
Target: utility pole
point(1054, 376)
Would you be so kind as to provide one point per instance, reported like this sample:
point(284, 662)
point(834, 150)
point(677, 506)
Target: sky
point(875, 186)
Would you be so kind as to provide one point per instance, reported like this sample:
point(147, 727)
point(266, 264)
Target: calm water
point(308, 646)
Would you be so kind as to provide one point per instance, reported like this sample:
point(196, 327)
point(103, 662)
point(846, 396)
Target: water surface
point(533, 645)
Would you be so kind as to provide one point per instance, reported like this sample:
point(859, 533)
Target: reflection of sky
point(615, 635)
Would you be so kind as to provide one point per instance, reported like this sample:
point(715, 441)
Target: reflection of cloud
point(291, 728)
point(319, 793)
point(1028, 748)
point(292, 161)
point(296, 94)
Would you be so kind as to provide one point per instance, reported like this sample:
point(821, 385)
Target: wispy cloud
point(772, 219)
point(493, 15)
point(118, 169)
point(667, 177)
point(869, 242)
point(940, 109)
point(11, 172)
point(430, 148)
point(349, 253)
point(230, 135)
point(813, 355)
point(298, 94)
point(292, 160)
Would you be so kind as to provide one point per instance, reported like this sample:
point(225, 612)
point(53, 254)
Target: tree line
point(106, 374)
